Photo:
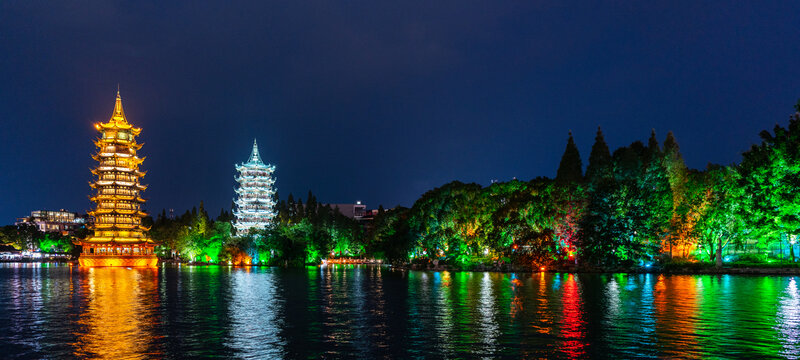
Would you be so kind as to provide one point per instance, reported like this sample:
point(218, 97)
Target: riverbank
point(732, 270)
point(506, 268)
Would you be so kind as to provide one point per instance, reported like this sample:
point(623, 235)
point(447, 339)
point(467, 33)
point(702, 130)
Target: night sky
point(376, 101)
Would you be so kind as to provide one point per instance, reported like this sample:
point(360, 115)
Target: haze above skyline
point(375, 101)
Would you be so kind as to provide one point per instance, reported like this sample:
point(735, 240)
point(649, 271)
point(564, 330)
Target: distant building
point(355, 211)
point(62, 221)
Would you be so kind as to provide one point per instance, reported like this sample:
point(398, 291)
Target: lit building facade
point(62, 221)
point(119, 237)
point(255, 202)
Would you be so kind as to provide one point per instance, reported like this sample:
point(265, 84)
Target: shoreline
point(785, 271)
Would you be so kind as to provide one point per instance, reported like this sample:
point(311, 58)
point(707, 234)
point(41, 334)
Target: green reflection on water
point(373, 312)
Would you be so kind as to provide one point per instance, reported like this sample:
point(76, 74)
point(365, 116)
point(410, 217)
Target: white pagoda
point(255, 203)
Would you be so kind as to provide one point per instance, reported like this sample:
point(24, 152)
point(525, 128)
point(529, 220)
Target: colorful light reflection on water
point(369, 312)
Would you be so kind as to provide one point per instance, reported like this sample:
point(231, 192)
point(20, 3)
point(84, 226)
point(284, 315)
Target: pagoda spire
point(254, 156)
point(118, 114)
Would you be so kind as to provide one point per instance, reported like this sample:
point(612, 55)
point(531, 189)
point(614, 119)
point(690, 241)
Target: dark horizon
point(376, 102)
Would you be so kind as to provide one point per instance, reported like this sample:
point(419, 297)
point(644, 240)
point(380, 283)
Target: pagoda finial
point(254, 156)
point(118, 114)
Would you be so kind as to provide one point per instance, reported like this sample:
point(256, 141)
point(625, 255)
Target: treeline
point(27, 237)
point(302, 233)
point(636, 206)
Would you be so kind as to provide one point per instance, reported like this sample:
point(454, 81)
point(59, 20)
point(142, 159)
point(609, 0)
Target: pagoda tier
point(255, 203)
point(119, 238)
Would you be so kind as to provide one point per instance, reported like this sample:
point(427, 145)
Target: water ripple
point(370, 312)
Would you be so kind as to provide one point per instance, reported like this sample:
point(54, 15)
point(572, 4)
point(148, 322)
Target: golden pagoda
point(119, 237)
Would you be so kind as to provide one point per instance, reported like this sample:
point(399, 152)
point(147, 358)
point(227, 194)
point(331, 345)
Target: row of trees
point(300, 234)
point(637, 205)
point(27, 237)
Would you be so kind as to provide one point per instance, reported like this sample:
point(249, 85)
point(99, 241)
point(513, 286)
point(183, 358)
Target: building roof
point(118, 119)
point(254, 156)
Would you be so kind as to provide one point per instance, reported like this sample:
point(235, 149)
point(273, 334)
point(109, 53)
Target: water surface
point(374, 312)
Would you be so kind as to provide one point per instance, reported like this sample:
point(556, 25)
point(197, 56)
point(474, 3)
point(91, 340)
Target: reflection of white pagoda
point(255, 205)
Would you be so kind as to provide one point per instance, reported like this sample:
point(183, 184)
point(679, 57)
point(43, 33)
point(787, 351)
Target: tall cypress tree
point(569, 202)
point(652, 143)
point(203, 212)
point(653, 149)
point(570, 170)
point(301, 210)
point(599, 159)
point(291, 208)
point(680, 224)
point(311, 207)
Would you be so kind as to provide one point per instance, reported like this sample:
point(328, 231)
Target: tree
point(627, 213)
point(599, 159)
point(678, 176)
point(770, 176)
point(652, 143)
point(300, 213)
point(311, 208)
point(570, 170)
point(721, 215)
point(525, 224)
point(22, 237)
point(569, 206)
point(392, 237)
point(55, 242)
point(447, 220)
point(595, 228)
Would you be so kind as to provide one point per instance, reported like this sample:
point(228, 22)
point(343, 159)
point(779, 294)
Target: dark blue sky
point(377, 101)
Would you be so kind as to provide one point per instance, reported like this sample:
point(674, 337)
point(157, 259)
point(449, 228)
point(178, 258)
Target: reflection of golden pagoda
point(119, 238)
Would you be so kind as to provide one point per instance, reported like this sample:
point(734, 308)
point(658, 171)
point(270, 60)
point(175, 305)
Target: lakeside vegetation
point(638, 206)
point(300, 234)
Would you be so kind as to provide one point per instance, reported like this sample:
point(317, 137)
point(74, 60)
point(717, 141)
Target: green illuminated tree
point(525, 224)
point(770, 176)
point(678, 175)
point(594, 224)
point(55, 242)
point(627, 214)
point(389, 238)
point(446, 221)
point(722, 213)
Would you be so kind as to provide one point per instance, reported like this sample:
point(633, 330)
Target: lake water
point(57, 311)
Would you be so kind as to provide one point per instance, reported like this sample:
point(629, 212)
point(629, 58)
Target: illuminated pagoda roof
point(118, 119)
point(255, 158)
